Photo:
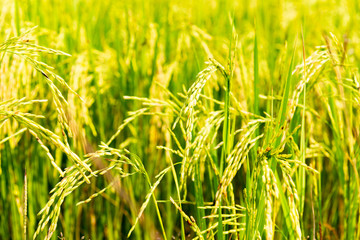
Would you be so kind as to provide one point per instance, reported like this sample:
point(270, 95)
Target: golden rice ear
point(31, 52)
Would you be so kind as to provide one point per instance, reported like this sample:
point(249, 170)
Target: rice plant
point(179, 120)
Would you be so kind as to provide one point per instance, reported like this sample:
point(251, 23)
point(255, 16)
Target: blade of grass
point(256, 78)
point(199, 198)
point(179, 197)
point(302, 177)
point(283, 107)
point(285, 207)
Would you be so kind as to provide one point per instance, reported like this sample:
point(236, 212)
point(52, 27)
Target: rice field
point(167, 119)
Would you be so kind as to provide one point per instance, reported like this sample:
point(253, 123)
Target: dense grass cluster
point(186, 119)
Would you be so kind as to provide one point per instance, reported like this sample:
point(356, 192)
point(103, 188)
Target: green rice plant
point(262, 143)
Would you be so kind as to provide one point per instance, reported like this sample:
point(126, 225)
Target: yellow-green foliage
point(167, 119)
